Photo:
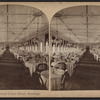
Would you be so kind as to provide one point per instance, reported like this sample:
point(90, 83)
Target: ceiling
point(80, 23)
point(17, 22)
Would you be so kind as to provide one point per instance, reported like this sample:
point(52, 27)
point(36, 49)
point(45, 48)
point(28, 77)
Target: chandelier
point(57, 39)
point(37, 39)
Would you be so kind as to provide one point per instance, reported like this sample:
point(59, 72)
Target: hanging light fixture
point(37, 15)
point(57, 38)
point(37, 29)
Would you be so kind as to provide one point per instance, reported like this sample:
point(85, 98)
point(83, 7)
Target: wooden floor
point(86, 75)
point(13, 75)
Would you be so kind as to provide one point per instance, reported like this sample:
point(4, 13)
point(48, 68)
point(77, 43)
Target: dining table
point(45, 78)
point(56, 75)
point(70, 65)
point(55, 81)
point(31, 66)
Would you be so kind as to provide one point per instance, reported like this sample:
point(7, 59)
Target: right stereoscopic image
point(75, 48)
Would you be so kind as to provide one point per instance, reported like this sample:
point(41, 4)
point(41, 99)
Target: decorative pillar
point(40, 46)
point(47, 46)
point(36, 46)
point(32, 47)
point(54, 48)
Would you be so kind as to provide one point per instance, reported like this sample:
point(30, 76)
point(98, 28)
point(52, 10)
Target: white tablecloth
point(45, 78)
point(55, 81)
point(31, 67)
point(70, 66)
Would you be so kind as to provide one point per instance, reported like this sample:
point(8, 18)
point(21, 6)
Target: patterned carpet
point(13, 75)
point(86, 75)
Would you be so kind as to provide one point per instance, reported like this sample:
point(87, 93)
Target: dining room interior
point(75, 48)
point(24, 48)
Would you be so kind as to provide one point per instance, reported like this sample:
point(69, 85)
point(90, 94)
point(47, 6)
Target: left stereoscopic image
point(24, 48)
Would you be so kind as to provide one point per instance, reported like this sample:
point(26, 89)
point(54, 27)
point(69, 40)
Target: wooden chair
point(41, 67)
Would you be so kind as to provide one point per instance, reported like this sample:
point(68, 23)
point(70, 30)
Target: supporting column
point(58, 48)
point(54, 48)
point(36, 47)
point(41, 47)
point(47, 46)
point(32, 47)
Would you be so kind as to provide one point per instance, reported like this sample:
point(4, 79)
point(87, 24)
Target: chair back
point(21, 59)
point(41, 67)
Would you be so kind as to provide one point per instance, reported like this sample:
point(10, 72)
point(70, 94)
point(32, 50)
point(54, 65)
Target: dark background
point(49, 0)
